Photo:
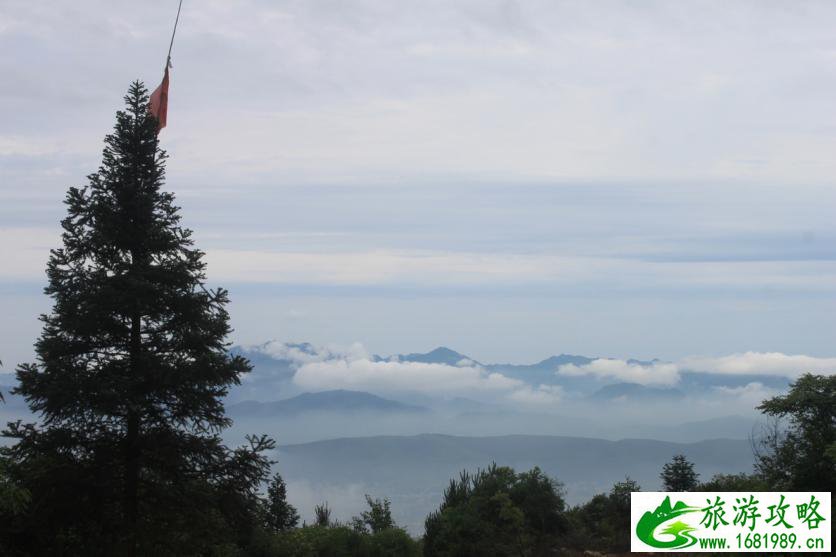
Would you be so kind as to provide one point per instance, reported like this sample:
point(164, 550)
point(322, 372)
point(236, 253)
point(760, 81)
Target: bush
point(342, 541)
point(497, 512)
point(735, 482)
point(603, 523)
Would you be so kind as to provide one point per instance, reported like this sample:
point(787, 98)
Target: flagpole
point(171, 44)
point(158, 101)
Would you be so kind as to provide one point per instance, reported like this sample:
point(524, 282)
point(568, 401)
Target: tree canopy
point(802, 455)
point(280, 516)
point(603, 523)
point(377, 519)
point(679, 475)
point(497, 512)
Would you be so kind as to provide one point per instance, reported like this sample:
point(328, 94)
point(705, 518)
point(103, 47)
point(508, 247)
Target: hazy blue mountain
point(551, 363)
point(466, 405)
point(14, 408)
point(731, 427)
point(692, 381)
point(11, 401)
point(545, 373)
point(635, 392)
point(413, 471)
point(643, 362)
point(325, 401)
point(272, 375)
point(441, 355)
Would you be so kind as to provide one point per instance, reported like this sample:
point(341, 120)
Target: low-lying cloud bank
point(465, 379)
point(353, 368)
point(752, 393)
point(655, 373)
point(669, 374)
point(365, 374)
point(762, 363)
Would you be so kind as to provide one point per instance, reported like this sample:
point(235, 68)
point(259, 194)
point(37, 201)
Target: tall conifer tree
point(679, 475)
point(280, 516)
point(132, 368)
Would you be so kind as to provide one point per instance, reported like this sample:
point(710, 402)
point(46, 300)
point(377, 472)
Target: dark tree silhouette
point(603, 523)
point(379, 516)
point(132, 368)
point(280, 515)
point(497, 512)
point(322, 515)
point(801, 456)
point(679, 475)
point(735, 482)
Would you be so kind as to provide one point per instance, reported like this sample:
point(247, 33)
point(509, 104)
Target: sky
point(510, 179)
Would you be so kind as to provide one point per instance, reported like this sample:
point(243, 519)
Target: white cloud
point(389, 266)
point(726, 97)
point(751, 393)
point(324, 91)
point(10, 146)
point(364, 374)
point(660, 373)
point(358, 372)
point(303, 355)
point(544, 395)
point(352, 367)
point(657, 373)
point(762, 363)
point(29, 248)
point(435, 268)
point(26, 251)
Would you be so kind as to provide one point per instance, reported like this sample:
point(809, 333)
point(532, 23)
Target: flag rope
point(171, 44)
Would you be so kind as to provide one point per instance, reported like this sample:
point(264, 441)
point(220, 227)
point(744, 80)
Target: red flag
point(159, 102)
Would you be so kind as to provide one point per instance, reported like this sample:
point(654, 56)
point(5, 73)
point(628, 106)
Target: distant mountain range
point(275, 363)
point(699, 406)
point(325, 401)
point(414, 470)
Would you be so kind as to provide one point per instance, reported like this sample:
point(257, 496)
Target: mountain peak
point(339, 400)
point(564, 359)
point(440, 355)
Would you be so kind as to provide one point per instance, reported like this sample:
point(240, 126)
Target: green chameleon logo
point(680, 531)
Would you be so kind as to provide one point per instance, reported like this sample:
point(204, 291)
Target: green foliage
point(339, 541)
point(13, 498)
point(132, 368)
point(603, 523)
point(679, 475)
point(322, 515)
point(831, 452)
point(279, 515)
point(393, 542)
point(735, 482)
point(802, 457)
point(377, 519)
point(620, 494)
point(497, 512)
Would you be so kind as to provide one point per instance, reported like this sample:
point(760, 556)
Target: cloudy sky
point(512, 179)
